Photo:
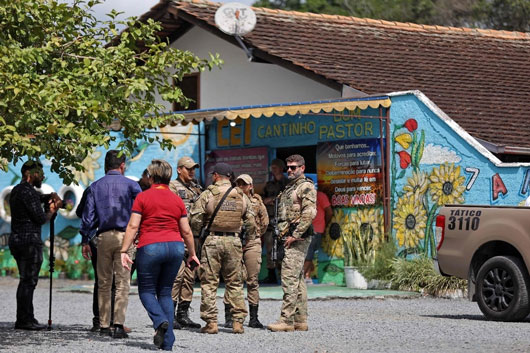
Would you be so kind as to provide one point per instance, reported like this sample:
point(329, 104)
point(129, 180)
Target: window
point(190, 86)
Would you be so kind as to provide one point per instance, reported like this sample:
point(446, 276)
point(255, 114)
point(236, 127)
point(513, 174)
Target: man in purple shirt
point(108, 208)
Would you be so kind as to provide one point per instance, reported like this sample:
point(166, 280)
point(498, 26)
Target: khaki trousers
point(222, 254)
point(294, 306)
point(109, 265)
point(250, 270)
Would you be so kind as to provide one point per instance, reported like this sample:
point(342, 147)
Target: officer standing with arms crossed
point(221, 209)
point(182, 292)
point(296, 211)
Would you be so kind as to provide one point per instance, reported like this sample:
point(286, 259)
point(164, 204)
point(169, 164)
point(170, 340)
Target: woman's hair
point(160, 171)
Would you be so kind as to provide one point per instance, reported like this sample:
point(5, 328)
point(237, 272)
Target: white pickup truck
point(490, 247)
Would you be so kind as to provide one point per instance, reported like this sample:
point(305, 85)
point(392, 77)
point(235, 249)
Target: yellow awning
point(281, 110)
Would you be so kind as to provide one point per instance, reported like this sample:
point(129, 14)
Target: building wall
point(435, 162)
point(240, 82)
point(67, 240)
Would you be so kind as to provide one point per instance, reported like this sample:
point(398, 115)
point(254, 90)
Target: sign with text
point(251, 161)
point(350, 172)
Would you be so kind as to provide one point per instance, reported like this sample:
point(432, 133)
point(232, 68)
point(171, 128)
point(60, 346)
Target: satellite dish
point(235, 19)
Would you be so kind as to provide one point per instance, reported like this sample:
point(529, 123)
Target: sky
point(135, 7)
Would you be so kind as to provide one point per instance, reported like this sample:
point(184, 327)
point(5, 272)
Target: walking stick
point(52, 264)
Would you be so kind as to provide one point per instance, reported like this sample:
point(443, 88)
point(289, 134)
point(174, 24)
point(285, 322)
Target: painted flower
point(404, 159)
point(417, 184)
point(368, 233)
point(334, 247)
point(60, 248)
point(411, 124)
point(410, 221)
point(404, 140)
point(90, 163)
point(447, 185)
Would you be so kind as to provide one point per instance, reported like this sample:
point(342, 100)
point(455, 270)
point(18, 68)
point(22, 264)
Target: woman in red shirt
point(159, 217)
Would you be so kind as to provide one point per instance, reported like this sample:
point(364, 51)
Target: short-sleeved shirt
point(319, 223)
point(161, 211)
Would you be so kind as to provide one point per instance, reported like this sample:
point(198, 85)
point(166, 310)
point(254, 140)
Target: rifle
point(277, 243)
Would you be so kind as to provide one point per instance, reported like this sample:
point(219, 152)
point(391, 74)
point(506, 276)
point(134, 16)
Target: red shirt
point(319, 223)
point(161, 211)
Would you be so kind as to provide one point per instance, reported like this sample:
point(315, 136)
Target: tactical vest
point(188, 194)
point(230, 215)
point(290, 204)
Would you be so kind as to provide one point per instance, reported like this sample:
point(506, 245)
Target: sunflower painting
point(415, 206)
point(410, 220)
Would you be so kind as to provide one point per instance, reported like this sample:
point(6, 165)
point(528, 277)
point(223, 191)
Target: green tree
point(62, 86)
point(511, 15)
point(497, 14)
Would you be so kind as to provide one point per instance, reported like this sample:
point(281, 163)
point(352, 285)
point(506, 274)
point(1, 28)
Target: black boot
point(176, 325)
point(254, 322)
point(182, 316)
point(271, 277)
point(228, 316)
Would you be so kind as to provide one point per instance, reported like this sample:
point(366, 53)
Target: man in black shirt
point(25, 243)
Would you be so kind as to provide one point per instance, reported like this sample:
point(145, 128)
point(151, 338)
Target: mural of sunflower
point(417, 184)
point(91, 165)
point(334, 247)
point(367, 224)
point(409, 221)
point(447, 185)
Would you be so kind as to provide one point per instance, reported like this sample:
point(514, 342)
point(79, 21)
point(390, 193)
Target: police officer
point(222, 250)
point(272, 189)
point(297, 209)
point(186, 187)
point(251, 252)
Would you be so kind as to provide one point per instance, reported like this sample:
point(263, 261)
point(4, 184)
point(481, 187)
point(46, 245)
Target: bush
point(382, 266)
point(418, 275)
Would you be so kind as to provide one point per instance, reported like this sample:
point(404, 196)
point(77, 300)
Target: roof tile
point(480, 78)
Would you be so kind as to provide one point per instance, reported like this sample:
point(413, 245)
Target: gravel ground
point(367, 325)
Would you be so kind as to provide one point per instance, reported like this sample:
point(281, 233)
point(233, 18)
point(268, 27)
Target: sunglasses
point(292, 167)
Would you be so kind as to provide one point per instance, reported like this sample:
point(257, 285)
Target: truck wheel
point(502, 290)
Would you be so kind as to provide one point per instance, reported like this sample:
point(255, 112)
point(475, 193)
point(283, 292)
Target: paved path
point(373, 324)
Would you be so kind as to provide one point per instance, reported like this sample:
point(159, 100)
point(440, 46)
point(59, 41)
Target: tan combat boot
point(281, 327)
point(301, 326)
point(237, 327)
point(211, 328)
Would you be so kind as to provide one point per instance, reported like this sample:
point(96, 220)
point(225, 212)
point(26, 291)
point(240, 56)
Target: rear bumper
point(436, 266)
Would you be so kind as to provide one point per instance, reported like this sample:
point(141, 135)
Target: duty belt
point(225, 234)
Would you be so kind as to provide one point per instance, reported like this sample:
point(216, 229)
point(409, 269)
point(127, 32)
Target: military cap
point(247, 179)
point(222, 169)
point(187, 162)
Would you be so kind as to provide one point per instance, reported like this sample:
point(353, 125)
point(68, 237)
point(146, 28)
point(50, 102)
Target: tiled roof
point(480, 78)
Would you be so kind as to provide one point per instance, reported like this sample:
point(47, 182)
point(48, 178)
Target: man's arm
point(89, 220)
point(197, 212)
point(34, 208)
point(308, 211)
point(249, 220)
point(264, 218)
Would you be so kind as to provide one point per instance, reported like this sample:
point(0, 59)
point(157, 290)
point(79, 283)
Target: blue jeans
point(157, 267)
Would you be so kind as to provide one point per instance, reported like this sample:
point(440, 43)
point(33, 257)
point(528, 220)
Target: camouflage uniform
point(297, 205)
point(252, 250)
point(272, 189)
point(222, 251)
point(183, 285)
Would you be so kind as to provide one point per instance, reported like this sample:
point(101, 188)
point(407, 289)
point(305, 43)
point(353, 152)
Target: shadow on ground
point(59, 335)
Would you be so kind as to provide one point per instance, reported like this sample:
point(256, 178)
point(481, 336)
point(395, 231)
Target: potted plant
point(361, 235)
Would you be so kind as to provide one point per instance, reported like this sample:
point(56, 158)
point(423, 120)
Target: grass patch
point(418, 275)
